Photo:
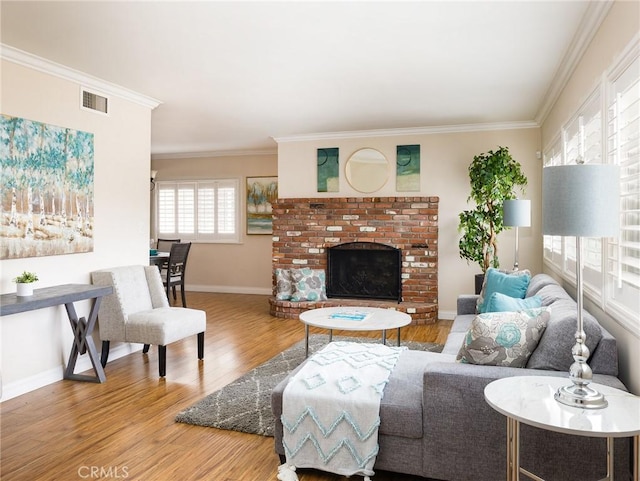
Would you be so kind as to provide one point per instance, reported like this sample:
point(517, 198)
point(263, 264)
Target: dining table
point(158, 258)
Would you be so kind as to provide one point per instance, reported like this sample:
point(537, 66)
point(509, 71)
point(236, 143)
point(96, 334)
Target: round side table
point(529, 400)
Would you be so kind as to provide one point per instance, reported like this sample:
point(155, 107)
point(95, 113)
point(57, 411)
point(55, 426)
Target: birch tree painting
point(46, 181)
point(262, 192)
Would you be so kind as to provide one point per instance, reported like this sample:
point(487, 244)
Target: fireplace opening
point(364, 270)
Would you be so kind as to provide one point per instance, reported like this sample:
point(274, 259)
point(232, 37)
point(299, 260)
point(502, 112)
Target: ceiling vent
point(94, 102)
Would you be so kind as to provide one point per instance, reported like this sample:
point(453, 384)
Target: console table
point(82, 328)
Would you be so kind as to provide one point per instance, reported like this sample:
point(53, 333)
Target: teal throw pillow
point(498, 302)
point(512, 284)
point(504, 338)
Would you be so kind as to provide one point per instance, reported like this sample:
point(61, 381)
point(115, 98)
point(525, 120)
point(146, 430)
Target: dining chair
point(138, 311)
point(164, 245)
point(174, 274)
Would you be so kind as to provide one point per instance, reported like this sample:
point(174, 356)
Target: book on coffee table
point(350, 315)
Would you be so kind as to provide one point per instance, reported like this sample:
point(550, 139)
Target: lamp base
point(580, 397)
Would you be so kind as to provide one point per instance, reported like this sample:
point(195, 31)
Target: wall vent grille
point(95, 102)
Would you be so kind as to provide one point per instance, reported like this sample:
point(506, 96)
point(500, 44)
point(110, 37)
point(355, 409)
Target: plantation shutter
point(623, 130)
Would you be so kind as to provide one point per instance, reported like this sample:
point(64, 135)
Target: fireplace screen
point(364, 270)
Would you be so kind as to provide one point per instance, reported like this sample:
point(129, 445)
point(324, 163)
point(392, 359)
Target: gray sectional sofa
point(436, 423)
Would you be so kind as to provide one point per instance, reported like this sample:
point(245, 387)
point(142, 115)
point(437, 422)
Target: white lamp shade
point(517, 212)
point(581, 200)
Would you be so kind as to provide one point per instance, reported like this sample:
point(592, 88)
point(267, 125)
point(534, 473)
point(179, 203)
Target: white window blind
point(166, 209)
point(623, 145)
point(186, 209)
point(206, 211)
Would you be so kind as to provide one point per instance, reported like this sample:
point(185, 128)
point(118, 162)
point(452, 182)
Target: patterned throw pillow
point(284, 287)
point(308, 285)
point(504, 338)
point(509, 283)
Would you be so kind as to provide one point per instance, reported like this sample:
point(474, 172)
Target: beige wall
point(212, 267)
point(615, 34)
point(35, 346)
point(445, 158)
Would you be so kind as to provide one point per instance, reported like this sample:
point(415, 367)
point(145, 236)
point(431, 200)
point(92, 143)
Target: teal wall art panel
point(328, 170)
point(408, 168)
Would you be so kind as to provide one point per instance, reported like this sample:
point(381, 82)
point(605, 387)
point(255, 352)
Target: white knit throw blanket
point(331, 408)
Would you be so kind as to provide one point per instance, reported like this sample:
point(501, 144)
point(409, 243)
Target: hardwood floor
point(125, 428)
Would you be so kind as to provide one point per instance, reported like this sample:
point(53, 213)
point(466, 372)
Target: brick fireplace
point(303, 230)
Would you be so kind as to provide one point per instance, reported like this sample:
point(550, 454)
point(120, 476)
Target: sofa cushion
point(308, 285)
point(552, 293)
point(554, 349)
point(498, 302)
point(284, 286)
point(503, 338)
point(538, 282)
point(513, 284)
point(401, 404)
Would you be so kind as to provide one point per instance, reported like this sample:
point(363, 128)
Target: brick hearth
point(304, 228)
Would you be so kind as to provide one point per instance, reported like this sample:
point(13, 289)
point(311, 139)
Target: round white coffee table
point(354, 319)
point(530, 400)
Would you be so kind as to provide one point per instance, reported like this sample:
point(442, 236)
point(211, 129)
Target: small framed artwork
point(408, 168)
point(328, 170)
point(261, 193)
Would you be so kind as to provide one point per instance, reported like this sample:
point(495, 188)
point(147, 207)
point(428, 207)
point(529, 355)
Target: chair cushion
point(165, 325)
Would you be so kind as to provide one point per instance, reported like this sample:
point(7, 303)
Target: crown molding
point(354, 134)
point(26, 59)
point(212, 153)
point(591, 21)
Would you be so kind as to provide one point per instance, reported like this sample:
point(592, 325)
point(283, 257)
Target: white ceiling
point(231, 76)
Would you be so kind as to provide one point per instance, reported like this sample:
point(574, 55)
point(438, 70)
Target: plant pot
point(24, 290)
point(479, 282)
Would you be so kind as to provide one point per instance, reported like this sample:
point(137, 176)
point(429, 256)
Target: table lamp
point(580, 200)
point(516, 213)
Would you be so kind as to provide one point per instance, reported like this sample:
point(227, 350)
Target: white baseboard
point(448, 315)
point(23, 386)
point(230, 289)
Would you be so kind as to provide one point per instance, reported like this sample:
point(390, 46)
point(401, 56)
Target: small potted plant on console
point(24, 283)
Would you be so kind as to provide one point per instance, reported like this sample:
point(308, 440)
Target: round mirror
point(367, 170)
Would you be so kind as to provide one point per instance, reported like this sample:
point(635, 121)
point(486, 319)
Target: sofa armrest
point(459, 424)
point(467, 304)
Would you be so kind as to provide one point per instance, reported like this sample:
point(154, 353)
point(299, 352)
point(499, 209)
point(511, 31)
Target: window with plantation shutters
point(204, 211)
point(606, 129)
point(623, 146)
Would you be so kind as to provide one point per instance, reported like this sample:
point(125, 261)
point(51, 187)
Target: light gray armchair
point(138, 311)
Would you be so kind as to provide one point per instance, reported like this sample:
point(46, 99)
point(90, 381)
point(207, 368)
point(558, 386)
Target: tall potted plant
point(493, 177)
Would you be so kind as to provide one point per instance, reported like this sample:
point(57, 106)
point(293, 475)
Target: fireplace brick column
point(304, 228)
